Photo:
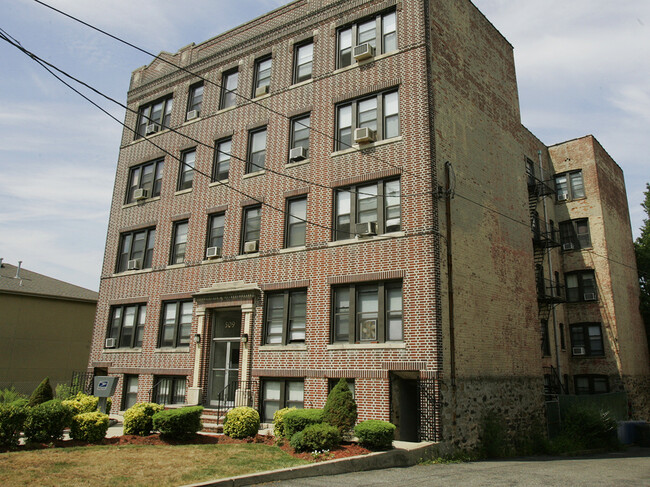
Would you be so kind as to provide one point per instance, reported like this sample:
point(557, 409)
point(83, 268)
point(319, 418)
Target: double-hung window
point(256, 150)
point(176, 322)
point(216, 225)
point(179, 242)
point(303, 61)
point(587, 339)
point(194, 101)
point(575, 234)
point(221, 166)
point(300, 127)
point(367, 312)
point(169, 390)
point(145, 181)
point(281, 393)
point(296, 222)
point(251, 224)
point(591, 384)
point(136, 250)
point(380, 32)
point(286, 316)
point(580, 286)
point(375, 204)
point(126, 326)
point(130, 394)
point(379, 113)
point(229, 89)
point(262, 76)
point(186, 171)
point(569, 186)
point(154, 116)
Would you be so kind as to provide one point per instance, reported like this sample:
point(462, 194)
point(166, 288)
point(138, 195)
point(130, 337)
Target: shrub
point(493, 437)
point(12, 419)
point(316, 437)
point(589, 428)
point(46, 421)
point(375, 434)
point(178, 423)
point(10, 395)
point(278, 422)
point(63, 392)
point(298, 420)
point(90, 426)
point(138, 418)
point(82, 403)
point(241, 422)
point(42, 393)
point(340, 409)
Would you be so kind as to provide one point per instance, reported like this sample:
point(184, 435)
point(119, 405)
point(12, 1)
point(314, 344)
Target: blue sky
point(582, 65)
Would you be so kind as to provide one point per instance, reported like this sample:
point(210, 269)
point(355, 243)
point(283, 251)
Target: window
point(251, 229)
point(221, 160)
point(146, 177)
point(377, 203)
point(130, 396)
point(303, 61)
point(154, 116)
point(126, 325)
point(286, 315)
point(300, 127)
point(262, 76)
point(194, 101)
point(175, 324)
point(562, 337)
point(591, 384)
point(546, 343)
point(256, 150)
point(136, 250)
point(380, 32)
point(169, 390)
point(569, 185)
point(587, 338)
point(296, 225)
point(575, 234)
point(281, 393)
point(229, 89)
point(179, 242)
point(379, 113)
point(215, 230)
point(186, 171)
point(367, 313)
point(580, 286)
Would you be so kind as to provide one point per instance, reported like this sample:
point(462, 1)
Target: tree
point(642, 250)
point(42, 393)
point(340, 408)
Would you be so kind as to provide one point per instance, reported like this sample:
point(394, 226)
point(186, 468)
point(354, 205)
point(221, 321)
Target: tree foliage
point(642, 250)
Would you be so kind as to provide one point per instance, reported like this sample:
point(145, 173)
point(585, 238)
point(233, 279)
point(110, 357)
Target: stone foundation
point(638, 394)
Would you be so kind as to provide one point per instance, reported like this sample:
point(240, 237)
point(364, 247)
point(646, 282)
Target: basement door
point(224, 358)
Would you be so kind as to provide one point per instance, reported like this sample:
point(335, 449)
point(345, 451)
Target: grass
point(138, 465)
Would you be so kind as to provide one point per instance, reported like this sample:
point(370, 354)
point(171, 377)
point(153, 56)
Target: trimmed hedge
point(178, 423)
point(42, 393)
point(138, 418)
point(241, 422)
point(340, 408)
point(375, 434)
point(45, 422)
point(278, 422)
point(12, 419)
point(316, 437)
point(298, 420)
point(82, 403)
point(90, 427)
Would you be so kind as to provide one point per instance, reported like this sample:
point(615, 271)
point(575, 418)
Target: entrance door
point(404, 405)
point(224, 357)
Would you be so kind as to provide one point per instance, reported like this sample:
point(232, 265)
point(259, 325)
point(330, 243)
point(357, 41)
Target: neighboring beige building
point(45, 328)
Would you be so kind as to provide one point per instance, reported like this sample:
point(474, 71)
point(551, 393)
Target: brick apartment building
point(356, 199)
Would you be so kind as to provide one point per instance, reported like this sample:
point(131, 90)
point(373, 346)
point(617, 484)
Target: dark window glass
point(256, 150)
point(281, 393)
point(262, 75)
point(303, 61)
point(546, 344)
point(591, 384)
point(379, 113)
point(147, 177)
point(251, 225)
point(379, 31)
point(215, 230)
point(126, 325)
point(169, 390)
point(296, 225)
point(229, 89)
point(153, 117)
point(186, 171)
point(136, 246)
point(581, 286)
point(300, 127)
point(575, 234)
point(587, 336)
point(176, 322)
point(130, 395)
point(569, 185)
point(195, 99)
point(286, 315)
point(222, 160)
point(179, 242)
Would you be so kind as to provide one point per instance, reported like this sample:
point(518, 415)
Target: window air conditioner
point(364, 135)
point(140, 194)
point(152, 128)
point(297, 154)
point(213, 252)
point(579, 351)
point(366, 229)
point(562, 196)
point(133, 265)
point(590, 296)
point(251, 246)
point(567, 246)
point(192, 114)
point(363, 51)
point(110, 343)
point(262, 90)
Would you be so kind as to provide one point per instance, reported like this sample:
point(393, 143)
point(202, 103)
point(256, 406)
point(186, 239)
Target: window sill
point(358, 148)
point(247, 256)
point(175, 266)
point(145, 137)
point(366, 346)
point(194, 120)
point(356, 240)
point(122, 350)
point(301, 83)
point(262, 97)
point(283, 348)
point(172, 350)
point(254, 174)
point(292, 249)
point(296, 164)
point(212, 261)
point(130, 273)
point(183, 191)
point(365, 62)
point(218, 183)
point(569, 200)
point(227, 109)
point(140, 203)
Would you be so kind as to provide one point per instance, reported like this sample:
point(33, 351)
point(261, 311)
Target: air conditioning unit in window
point(152, 128)
point(363, 51)
point(192, 114)
point(140, 194)
point(297, 154)
point(562, 196)
point(579, 351)
point(364, 135)
point(213, 252)
point(590, 296)
point(109, 343)
point(567, 246)
point(262, 90)
point(251, 246)
point(367, 229)
point(133, 265)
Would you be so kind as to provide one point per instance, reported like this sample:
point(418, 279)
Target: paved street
point(630, 468)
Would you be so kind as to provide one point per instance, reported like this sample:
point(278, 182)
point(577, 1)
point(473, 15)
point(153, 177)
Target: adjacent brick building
point(340, 189)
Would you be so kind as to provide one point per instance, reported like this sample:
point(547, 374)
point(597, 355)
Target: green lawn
point(136, 465)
